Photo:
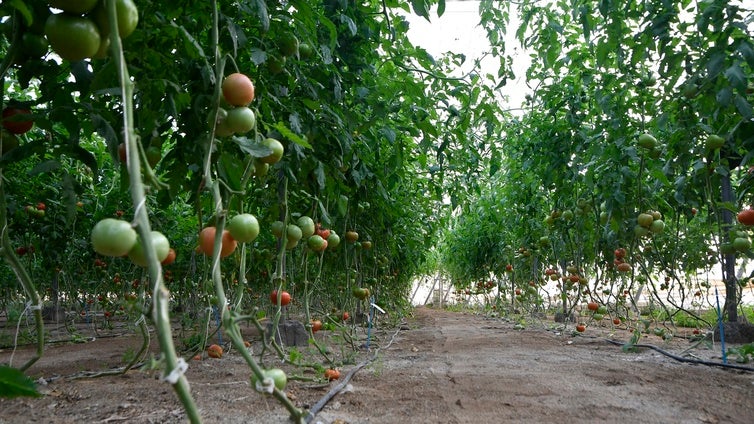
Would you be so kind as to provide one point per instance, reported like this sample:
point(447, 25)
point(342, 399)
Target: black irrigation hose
point(682, 359)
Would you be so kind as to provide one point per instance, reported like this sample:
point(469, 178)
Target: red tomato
point(285, 298)
point(13, 124)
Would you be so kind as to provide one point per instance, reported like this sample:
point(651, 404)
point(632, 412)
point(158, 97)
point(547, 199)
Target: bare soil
point(438, 367)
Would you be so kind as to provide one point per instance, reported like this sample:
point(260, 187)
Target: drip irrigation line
point(682, 359)
point(317, 407)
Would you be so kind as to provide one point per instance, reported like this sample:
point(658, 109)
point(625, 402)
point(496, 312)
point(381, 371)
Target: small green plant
point(743, 354)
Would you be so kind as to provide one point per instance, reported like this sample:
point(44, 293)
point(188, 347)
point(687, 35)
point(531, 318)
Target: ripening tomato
point(285, 298)
point(316, 243)
point(746, 217)
point(207, 242)
point(316, 325)
point(170, 258)
point(238, 90)
point(215, 351)
point(332, 374)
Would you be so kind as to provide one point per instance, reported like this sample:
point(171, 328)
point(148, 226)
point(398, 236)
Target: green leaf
point(319, 173)
point(342, 205)
point(440, 7)
point(420, 8)
point(351, 24)
point(20, 5)
point(231, 170)
point(44, 167)
point(252, 147)
point(290, 135)
point(13, 383)
point(743, 106)
point(262, 15)
point(736, 77)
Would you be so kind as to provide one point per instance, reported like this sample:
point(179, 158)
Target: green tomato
point(34, 44)
point(307, 226)
point(128, 17)
point(288, 44)
point(77, 7)
point(276, 374)
point(8, 142)
point(244, 227)
point(72, 37)
point(333, 241)
point(113, 237)
point(741, 244)
point(275, 64)
point(240, 120)
point(640, 231)
point(260, 168)
point(647, 141)
point(714, 142)
point(305, 51)
point(293, 233)
point(316, 243)
point(276, 149)
point(161, 246)
point(154, 155)
point(657, 226)
point(277, 227)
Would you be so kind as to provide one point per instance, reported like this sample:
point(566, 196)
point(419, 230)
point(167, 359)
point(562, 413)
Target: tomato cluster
point(80, 31)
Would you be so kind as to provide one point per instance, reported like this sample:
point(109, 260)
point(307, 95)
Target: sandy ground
point(438, 367)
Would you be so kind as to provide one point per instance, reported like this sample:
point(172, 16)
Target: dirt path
point(444, 367)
